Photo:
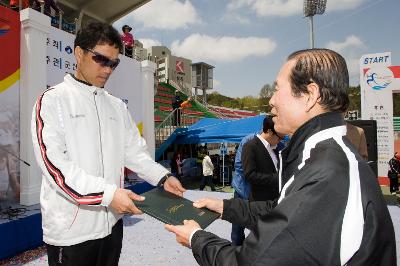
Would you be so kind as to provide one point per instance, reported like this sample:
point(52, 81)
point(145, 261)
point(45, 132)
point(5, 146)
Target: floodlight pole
point(311, 8)
point(311, 32)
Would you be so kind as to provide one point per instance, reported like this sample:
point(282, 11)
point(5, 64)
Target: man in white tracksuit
point(208, 169)
point(83, 138)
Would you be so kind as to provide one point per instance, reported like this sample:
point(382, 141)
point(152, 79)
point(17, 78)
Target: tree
point(266, 91)
point(265, 95)
point(355, 99)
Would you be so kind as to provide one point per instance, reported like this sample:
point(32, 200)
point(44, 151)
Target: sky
point(247, 41)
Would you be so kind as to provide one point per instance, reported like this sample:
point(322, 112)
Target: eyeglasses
point(103, 60)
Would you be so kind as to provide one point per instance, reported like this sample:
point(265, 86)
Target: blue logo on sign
point(379, 78)
point(374, 83)
point(68, 49)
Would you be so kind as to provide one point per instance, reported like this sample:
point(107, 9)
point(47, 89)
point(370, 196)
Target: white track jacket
point(83, 137)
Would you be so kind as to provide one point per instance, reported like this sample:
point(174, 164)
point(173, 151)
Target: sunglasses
point(103, 60)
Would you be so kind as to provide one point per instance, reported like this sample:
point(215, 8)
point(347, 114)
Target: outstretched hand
point(184, 231)
point(216, 205)
point(173, 185)
point(122, 202)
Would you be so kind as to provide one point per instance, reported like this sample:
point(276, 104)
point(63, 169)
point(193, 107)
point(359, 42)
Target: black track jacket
point(330, 211)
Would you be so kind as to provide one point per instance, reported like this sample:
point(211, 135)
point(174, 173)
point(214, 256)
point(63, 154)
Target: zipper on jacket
point(101, 142)
point(108, 223)
point(101, 152)
point(60, 251)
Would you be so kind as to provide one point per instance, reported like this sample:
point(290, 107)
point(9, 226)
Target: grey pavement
point(146, 242)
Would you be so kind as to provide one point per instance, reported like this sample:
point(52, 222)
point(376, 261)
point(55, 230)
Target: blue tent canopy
point(209, 130)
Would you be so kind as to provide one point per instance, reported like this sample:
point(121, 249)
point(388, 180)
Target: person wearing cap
point(127, 40)
point(393, 173)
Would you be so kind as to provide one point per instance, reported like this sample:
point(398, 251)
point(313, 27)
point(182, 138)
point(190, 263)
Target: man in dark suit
point(260, 163)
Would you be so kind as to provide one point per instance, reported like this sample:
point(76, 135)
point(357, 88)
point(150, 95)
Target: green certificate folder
point(171, 209)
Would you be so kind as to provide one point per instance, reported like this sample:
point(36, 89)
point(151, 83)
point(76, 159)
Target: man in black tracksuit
point(330, 210)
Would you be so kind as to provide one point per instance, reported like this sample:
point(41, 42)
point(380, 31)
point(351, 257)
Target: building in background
point(202, 79)
point(139, 53)
point(172, 69)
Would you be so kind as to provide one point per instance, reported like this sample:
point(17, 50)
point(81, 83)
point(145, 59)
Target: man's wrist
point(162, 180)
point(191, 236)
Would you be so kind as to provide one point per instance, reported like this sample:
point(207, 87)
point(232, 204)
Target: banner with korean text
point(9, 104)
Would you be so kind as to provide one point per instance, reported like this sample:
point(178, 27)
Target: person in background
point(83, 138)
point(260, 163)
point(186, 104)
point(176, 165)
point(48, 5)
point(127, 40)
point(176, 104)
point(393, 173)
point(14, 4)
point(208, 169)
point(241, 189)
point(356, 136)
point(331, 210)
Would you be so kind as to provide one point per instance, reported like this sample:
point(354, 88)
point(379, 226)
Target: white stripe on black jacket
point(330, 212)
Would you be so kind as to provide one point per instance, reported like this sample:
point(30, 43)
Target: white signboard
point(60, 57)
point(377, 104)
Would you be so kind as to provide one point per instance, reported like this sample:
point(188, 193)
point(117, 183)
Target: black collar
point(309, 128)
point(81, 81)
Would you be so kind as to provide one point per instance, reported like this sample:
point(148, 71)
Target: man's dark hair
point(97, 33)
point(328, 70)
point(268, 124)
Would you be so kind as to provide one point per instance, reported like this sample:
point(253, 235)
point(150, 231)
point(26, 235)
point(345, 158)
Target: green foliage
point(355, 98)
point(396, 104)
point(221, 100)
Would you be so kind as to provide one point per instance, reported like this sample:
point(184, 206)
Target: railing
point(165, 129)
point(209, 109)
point(186, 91)
point(173, 121)
point(396, 123)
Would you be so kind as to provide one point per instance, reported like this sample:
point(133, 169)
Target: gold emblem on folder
point(175, 208)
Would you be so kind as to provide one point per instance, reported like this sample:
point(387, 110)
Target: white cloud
point(147, 43)
point(343, 4)
point(284, 8)
point(166, 14)
point(216, 83)
point(223, 49)
point(269, 7)
point(351, 42)
point(351, 49)
point(235, 18)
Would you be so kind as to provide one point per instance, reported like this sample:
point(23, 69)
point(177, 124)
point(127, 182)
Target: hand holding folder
point(172, 209)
